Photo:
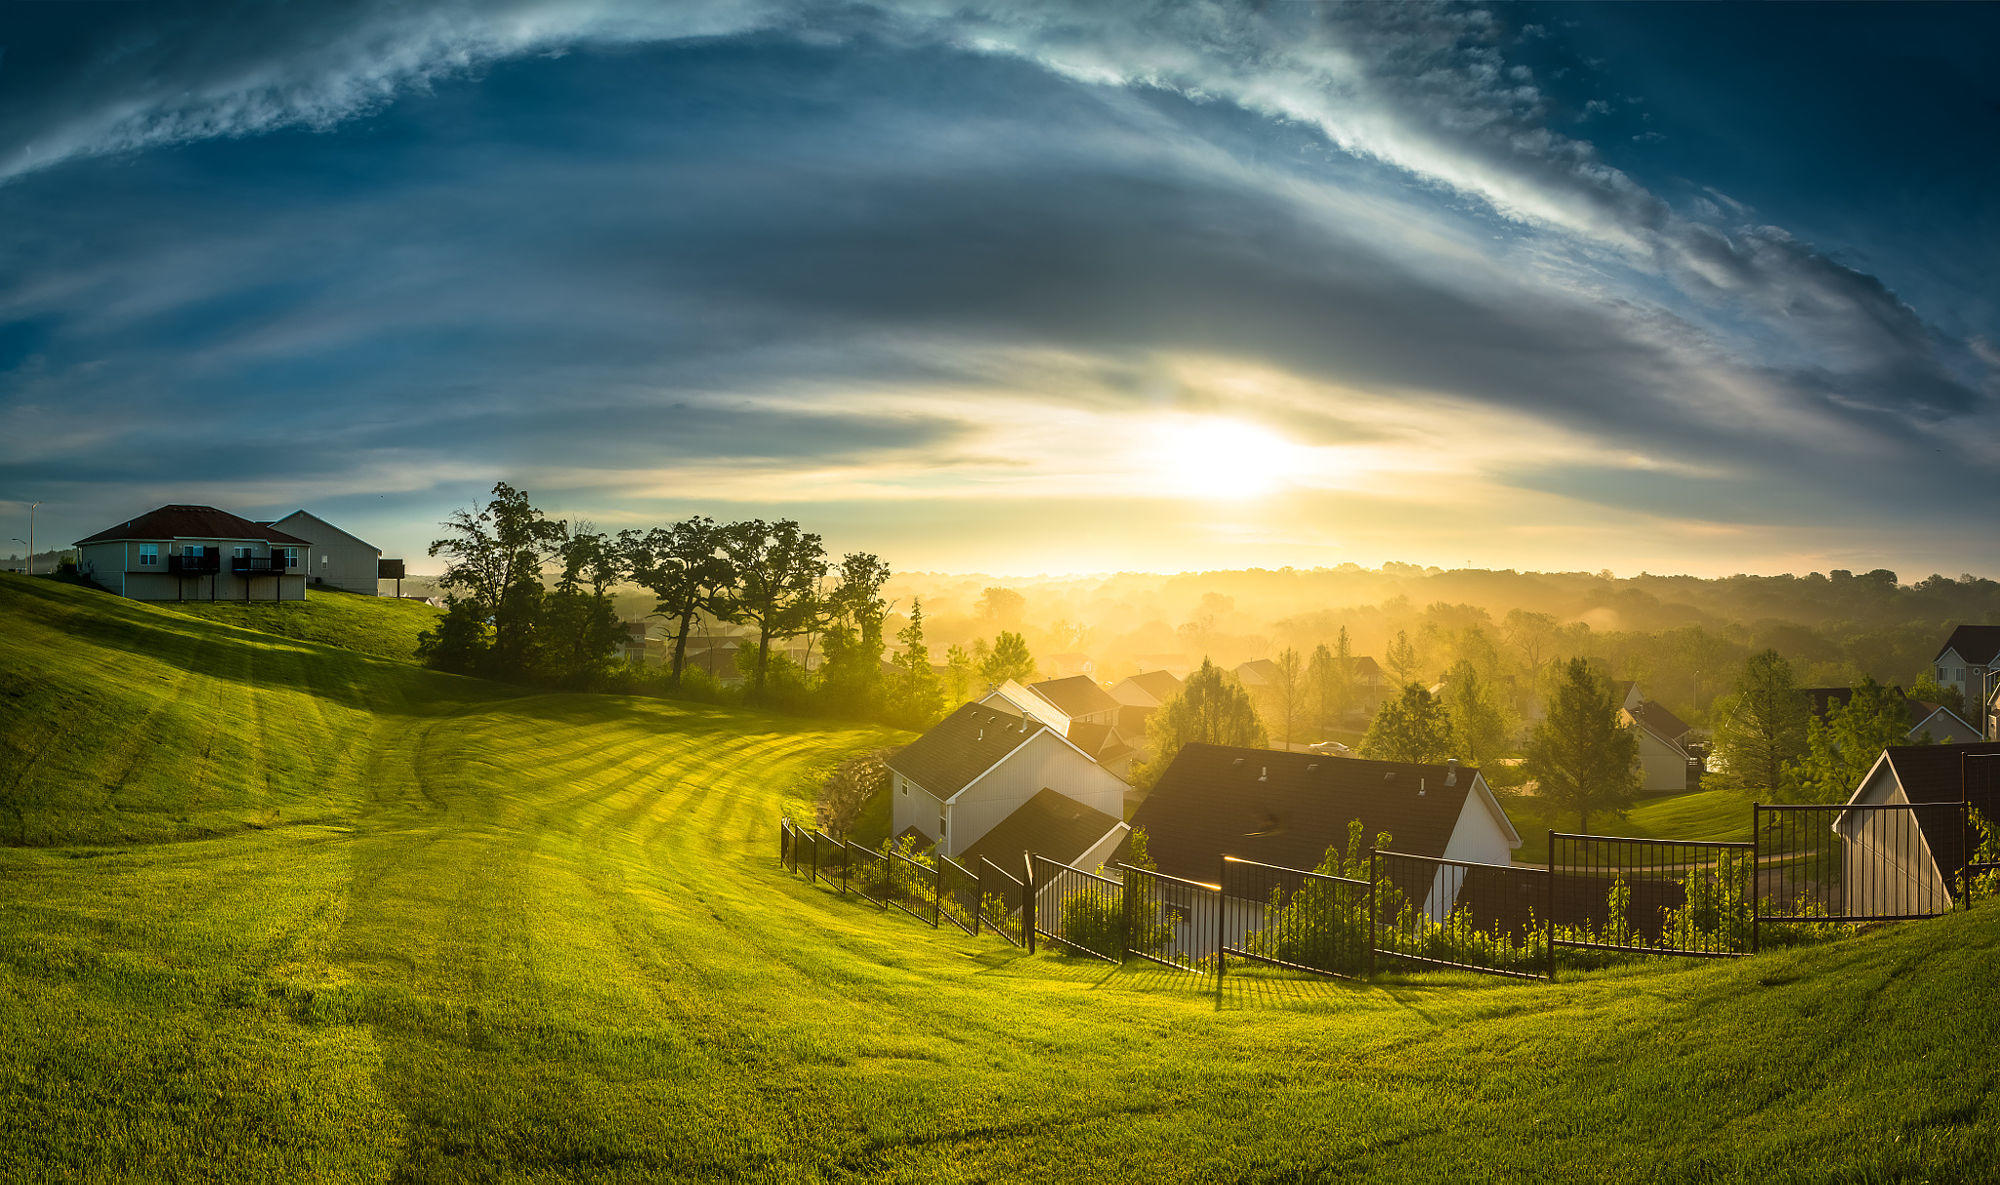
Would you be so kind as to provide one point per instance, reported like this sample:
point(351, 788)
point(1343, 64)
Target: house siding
point(1045, 760)
point(339, 560)
point(114, 566)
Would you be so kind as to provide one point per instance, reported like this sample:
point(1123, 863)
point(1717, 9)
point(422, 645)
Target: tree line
point(528, 599)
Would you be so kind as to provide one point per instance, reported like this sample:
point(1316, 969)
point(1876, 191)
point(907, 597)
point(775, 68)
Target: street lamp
point(31, 537)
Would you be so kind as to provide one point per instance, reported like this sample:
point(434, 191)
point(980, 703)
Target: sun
point(1220, 459)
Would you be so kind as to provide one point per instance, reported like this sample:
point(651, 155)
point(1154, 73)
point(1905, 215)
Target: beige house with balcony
point(196, 553)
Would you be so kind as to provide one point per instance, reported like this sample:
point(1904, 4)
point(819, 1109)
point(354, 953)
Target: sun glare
point(1220, 459)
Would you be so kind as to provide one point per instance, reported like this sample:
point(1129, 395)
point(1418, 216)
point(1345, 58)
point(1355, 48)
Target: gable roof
point(963, 746)
point(1366, 669)
point(1100, 741)
point(1078, 695)
point(1159, 686)
point(1258, 672)
point(1826, 699)
point(1289, 808)
point(1050, 824)
point(1978, 644)
point(183, 521)
point(307, 514)
point(1658, 721)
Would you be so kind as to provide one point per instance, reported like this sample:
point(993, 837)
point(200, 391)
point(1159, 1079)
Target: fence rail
point(912, 883)
point(1646, 896)
point(868, 874)
point(1879, 862)
point(957, 895)
point(1002, 897)
point(1419, 911)
point(1079, 911)
point(1302, 921)
point(1171, 920)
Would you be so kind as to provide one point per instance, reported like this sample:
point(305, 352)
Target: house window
point(241, 552)
point(291, 555)
point(196, 550)
point(149, 555)
point(944, 821)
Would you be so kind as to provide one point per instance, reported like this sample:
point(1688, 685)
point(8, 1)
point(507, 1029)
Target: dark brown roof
point(1289, 808)
point(1049, 824)
point(1078, 695)
point(1101, 741)
point(964, 745)
point(1132, 720)
point(192, 522)
point(1161, 685)
point(1974, 643)
point(1932, 773)
point(1662, 721)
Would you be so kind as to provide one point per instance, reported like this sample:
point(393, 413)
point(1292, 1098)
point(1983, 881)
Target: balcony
point(259, 565)
point(194, 565)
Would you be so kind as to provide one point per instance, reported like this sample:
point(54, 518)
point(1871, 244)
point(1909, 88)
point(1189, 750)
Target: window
point(149, 555)
point(196, 550)
point(241, 552)
point(291, 555)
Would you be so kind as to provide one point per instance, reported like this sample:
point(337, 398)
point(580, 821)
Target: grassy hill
point(382, 626)
point(543, 937)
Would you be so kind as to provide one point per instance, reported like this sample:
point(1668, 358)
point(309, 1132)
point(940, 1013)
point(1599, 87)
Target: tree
point(580, 625)
point(1478, 727)
point(1411, 727)
point(917, 699)
point(1762, 728)
point(1579, 754)
point(1009, 659)
point(1928, 689)
point(494, 560)
point(682, 566)
point(1288, 695)
point(1402, 657)
point(847, 790)
point(959, 672)
point(1003, 607)
point(776, 570)
point(850, 681)
point(1212, 708)
point(1841, 747)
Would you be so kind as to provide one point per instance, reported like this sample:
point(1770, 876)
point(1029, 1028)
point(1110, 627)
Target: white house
point(1289, 809)
point(1664, 761)
point(196, 553)
point(340, 560)
point(963, 778)
point(1905, 862)
point(1966, 660)
point(1069, 707)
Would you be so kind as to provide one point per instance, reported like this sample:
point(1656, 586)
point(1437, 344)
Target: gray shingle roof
point(1289, 808)
point(1974, 643)
point(1049, 824)
point(1078, 695)
point(964, 745)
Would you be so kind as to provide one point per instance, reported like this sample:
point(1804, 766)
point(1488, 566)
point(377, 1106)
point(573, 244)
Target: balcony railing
point(250, 564)
point(194, 565)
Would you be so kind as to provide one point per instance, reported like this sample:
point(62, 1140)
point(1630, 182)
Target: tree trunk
point(763, 652)
point(680, 645)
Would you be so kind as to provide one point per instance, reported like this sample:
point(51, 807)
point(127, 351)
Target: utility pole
point(31, 537)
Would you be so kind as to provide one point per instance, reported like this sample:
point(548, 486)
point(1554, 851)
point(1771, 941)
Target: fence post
point(937, 889)
point(1028, 904)
point(1373, 863)
point(1221, 922)
point(1125, 912)
point(978, 899)
point(784, 838)
point(1756, 872)
point(846, 862)
point(813, 879)
point(1549, 926)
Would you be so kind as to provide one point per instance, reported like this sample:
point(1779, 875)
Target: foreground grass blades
point(538, 938)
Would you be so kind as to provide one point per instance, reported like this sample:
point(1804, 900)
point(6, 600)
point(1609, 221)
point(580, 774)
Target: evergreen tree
point(1412, 727)
point(1581, 756)
point(960, 672)
point(1762, 728)
point(1402, 657)
point(917, 698)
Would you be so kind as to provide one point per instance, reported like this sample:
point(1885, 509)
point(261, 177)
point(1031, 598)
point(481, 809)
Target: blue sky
point(1021, 287)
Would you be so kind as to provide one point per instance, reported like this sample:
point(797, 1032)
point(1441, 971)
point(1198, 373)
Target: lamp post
point(31, 537)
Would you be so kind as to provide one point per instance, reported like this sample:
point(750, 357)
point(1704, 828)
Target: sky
point(1020, 287)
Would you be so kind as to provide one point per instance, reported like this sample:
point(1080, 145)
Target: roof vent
point(1423, 784)
point(1311, 766)
point(1451, 771)
point(982, 734)
point(1390, 776)
point(1238, 761)
point(1263, 773)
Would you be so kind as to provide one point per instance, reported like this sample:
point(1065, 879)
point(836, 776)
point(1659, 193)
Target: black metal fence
point(868, 874)
point(957, 894)
point(829, 859)
point(1002, 898)
point(1428, 910)
point(1079, 911)
point(1645, 896)
point(1171, 920)
point(912, 886)
point(1286, 917)
point(1858, 863)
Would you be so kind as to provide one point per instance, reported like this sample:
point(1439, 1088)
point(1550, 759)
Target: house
point(1258, 674)
point(1288, 809)
point(1079, 698)
point(1665, 765)
point(1063, 665)
point(1087, 720)
point(1967, 660)
point(964, 777)
point(1941, 724)
point(1907, 862)
point(183, 552)
point(340, 560)
point(635, 644)
point(1138, 698)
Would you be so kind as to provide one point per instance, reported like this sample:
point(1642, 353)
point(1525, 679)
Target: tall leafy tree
point(1478, 726)
point(494, 558)
point(960, 672)
point(1287, 695)
point(854, 611)
point(684, 568)
point(776, 570)
point(1581, 756)
point(1009, 659)
point(1411, 727)
point(1211, 708)
point(1842, 747)
point(581, 627)
point(917, 699)
point(1762, 729)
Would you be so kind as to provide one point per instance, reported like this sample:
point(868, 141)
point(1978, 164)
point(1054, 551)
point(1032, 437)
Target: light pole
point(31, 537)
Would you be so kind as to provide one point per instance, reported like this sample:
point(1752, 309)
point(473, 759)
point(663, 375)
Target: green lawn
point(501, 937)
point(382, 626)
point(1704, 814)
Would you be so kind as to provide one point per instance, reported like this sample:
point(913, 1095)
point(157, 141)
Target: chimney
point(1451, 771)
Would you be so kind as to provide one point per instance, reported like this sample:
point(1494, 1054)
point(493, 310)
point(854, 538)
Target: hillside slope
point(542, 938)
point(381, 626)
